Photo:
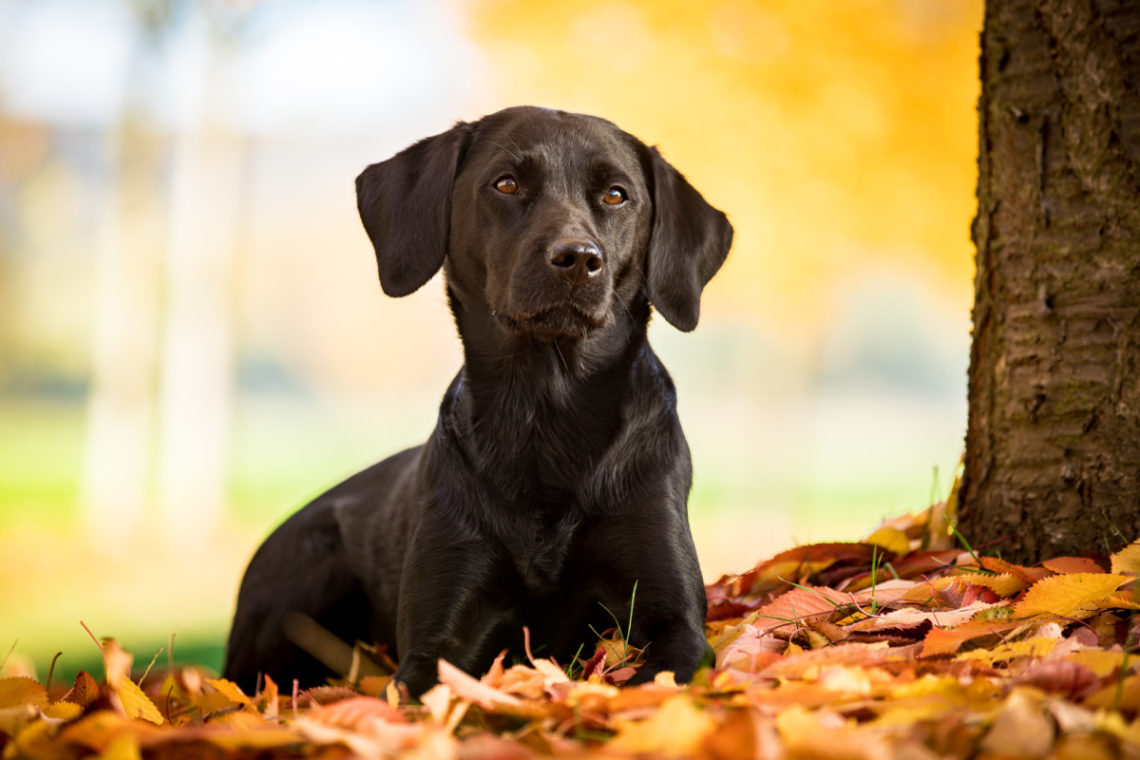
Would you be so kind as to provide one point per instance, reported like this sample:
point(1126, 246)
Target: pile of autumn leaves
point(895, 647)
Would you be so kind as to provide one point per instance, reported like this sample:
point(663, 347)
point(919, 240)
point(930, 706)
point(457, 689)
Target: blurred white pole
point(120, 406)
point(195, 388)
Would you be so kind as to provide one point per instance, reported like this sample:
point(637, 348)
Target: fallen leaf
point(1067, 565)
point(1127, 560)
point(17, 692)
point(84, 691)
point(891, 539)
point(1020, 728)
point(797, 604)
point(466, 687)
point(676, 729)
point(230, 691)
point(1076, 595)
point(65, 711)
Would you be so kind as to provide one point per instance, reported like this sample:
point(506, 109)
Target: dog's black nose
point(576, 260)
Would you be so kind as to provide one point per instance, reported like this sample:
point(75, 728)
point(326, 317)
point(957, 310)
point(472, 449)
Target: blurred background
point(193, 341)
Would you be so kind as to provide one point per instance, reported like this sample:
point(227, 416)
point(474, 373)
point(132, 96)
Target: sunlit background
point(193, 340)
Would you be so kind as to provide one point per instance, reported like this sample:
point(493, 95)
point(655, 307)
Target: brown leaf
point(1058, 676)
point(84, 691)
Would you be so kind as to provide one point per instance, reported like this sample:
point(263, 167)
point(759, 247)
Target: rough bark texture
point(1053, 441)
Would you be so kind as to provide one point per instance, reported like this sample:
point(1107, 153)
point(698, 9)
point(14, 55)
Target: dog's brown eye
point(507, 185)
point(614, 196)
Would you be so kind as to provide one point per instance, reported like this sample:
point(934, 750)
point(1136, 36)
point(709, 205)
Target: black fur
point(557, 475)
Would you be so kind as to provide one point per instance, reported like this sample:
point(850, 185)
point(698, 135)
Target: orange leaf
point(1066, 565)
point(466, 687)
point(1075, 595)
point(17, 692)
point(355, 713)
point(942, 641)
point(799, 603)
point(1027, 574)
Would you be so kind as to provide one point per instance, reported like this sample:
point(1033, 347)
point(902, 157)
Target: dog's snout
point(576, 260)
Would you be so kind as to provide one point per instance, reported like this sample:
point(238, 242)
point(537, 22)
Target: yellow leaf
point(1127, 560)
point(1005, 584)
point(97, 730)
point(891, 539)
point(1123, 600)
point(1100, 661)
point(826, 735)
point(229, 690)
point(133, 703)
point(1117, 695)
point(123, 747)
point(63, 710)
point(1072, 596)
point(1035, 647)
point(677, 729)
point(17, 692)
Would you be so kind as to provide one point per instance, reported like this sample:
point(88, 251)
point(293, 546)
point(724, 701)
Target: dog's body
point(557, 475)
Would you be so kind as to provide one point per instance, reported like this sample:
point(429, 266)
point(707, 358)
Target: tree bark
point(1053, 438)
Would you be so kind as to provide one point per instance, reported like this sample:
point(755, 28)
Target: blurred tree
point(1053, 439)
point(163, 353)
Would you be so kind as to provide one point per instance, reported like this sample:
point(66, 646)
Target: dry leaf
point(1020, 729)
point(676, 729)
point(1076, 595)
point(1127, 560)
point(16, 692)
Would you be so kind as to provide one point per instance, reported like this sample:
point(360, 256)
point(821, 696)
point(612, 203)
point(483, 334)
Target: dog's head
point(551, 222)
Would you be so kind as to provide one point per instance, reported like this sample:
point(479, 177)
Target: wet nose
point(575, 261)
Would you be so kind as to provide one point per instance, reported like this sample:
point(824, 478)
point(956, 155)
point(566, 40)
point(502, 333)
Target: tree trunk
point(1053, 440)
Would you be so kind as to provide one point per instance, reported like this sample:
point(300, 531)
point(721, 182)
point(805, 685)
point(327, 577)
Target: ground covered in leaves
point(899, 646)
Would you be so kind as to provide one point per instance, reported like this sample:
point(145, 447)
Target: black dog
point(557, 475)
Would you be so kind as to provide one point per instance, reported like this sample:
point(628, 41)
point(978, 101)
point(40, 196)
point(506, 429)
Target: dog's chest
point(538, 547)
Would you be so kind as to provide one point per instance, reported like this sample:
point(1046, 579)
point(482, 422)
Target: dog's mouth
point(565, 320)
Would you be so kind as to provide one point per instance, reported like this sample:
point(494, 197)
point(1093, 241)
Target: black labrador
point(557, 475)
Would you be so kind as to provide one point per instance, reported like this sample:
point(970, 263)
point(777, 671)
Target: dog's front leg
point(674, 643)
point(449, 610)
point(666, 614)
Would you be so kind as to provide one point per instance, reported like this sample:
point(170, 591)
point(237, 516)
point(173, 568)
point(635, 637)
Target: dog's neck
point(560, 403)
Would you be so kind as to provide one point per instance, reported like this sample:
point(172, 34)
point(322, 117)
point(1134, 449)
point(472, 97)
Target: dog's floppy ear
point(405, 204)
point(689, 241)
